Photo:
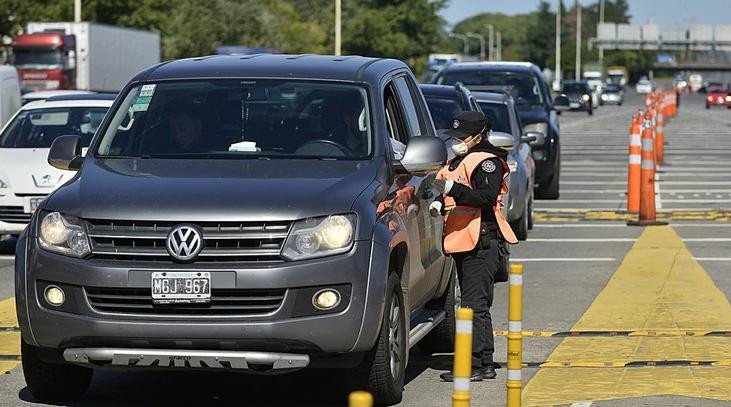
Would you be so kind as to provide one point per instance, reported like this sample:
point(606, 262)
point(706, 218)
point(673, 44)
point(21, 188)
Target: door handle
point(428, 194)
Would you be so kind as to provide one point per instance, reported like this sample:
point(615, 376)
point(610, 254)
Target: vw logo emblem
point(184, 242)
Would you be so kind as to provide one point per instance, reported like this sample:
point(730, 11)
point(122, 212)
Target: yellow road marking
point(7, 313)
point(657, 288)
point(9, 341)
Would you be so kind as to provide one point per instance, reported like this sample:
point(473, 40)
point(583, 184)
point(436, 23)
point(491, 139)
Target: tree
point(540, 39)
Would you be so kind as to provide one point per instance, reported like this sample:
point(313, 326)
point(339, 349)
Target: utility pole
point(465, 41)
point(601, 21)
point(482, 43)
point(557, 81)
point(77, 11)
point(499, 40)
point(338, 26)
point(490, 46)
point(578, 40)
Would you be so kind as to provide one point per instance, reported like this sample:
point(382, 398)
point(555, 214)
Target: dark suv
point(525, 83)
point(259, 214)
point(579, 94)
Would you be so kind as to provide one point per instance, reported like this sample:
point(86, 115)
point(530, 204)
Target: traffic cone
point(660, 138)
point(648, 215)
point(633, 168)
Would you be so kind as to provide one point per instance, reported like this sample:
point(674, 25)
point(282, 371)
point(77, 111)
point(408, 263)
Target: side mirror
point(423, 154)
point(65, 153)
point(502, 140)
point(535, 138)
point(561, 103)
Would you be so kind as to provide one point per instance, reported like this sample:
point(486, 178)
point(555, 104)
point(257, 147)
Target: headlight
point(319, 237)
point(604, 96)
point(538, 127)
point(728, 99)
point(585, 98)
point(64, 235)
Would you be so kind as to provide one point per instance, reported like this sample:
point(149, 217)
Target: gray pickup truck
point(258, 214)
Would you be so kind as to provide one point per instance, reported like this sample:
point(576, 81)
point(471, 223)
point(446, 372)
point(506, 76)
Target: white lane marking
point(712, 258)
point(657, 191)
point(582, 404)
point(707, 239)
point(582, 240)
point(616, 224)
point(708, 200)
point(4, 257)
point(658, 198)
point(561, 259)
point(615, 173)
point(700, 225)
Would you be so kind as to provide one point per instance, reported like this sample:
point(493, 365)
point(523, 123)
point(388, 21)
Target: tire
point(441, 338)
point(530, 213)
point(590, 112)
point(376, 372)
point(53, 381)
point(520, 226)
point(707, 106)
point(551, 190)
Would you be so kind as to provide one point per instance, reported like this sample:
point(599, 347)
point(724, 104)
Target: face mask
point(461, 148)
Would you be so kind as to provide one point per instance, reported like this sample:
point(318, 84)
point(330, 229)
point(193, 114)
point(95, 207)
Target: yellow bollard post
point(360, 399)
point(515, 335)
point(462, 358)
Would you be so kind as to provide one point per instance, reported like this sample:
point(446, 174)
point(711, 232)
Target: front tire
point(520, 226)
point(383, 368)
point(530, 213)
point(441, 338)
point(53, 381)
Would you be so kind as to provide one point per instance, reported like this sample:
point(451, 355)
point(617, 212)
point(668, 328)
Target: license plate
point(181, 287)
point(574, 105)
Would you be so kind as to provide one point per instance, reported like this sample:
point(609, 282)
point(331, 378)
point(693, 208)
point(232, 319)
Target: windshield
point(611, 88)
point(717, 89)
point(37, 128)
point(498, 112)
point(574, 88)
point(233, 119)
point(37, 58)
point(442, 111)
point(523, 87)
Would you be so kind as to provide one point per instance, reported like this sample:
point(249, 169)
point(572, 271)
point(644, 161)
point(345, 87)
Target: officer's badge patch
point(455, 124)
point(488, 166)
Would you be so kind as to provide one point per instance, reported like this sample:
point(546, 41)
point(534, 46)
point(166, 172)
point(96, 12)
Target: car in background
point(612, 94)
point(525, 83)
point(506, 120)
point(695, 82)
point(579, 94)
point(716, 95)
point(45, 94)
point(643, 86)
point(9, 93)
point(445, 101)
point(26, 177)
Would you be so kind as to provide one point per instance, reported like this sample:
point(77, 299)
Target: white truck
point(85, 56)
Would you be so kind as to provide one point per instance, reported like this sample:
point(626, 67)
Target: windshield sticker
point(147, 90)
point(141, 104)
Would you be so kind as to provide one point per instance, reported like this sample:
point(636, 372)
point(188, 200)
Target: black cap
point(465, 124)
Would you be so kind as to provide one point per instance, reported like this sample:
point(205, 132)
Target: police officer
point(473, 185)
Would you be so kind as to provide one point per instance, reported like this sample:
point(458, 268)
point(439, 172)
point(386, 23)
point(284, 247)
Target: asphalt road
point(579, 243)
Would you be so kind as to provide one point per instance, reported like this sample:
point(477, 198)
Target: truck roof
point(41, 39)
point(340, 68)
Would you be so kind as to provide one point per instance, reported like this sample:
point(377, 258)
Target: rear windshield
point(717, 89)
point(612, 88)
point(37, 128)
point(498, 112)
point(235, 119)
point(523, 87)
point(443, 110)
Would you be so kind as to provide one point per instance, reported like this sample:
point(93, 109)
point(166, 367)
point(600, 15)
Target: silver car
point(506, 122)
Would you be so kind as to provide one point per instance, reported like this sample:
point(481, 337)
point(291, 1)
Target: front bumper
point(289, 329)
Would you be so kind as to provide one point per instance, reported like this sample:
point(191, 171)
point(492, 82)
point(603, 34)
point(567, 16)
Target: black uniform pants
point(476, 271)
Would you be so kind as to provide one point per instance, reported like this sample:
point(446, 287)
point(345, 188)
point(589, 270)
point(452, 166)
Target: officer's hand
point(442, 185)
point(435, 209)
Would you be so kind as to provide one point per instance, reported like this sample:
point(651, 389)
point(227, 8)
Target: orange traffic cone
point(660, 138)
point(633, 168)
point(648, 213)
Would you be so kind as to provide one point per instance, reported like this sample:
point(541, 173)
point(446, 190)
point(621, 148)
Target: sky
point(662, 11)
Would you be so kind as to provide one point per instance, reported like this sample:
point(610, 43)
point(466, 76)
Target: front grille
point(259, 242)
point(228, 301)
point(14, 214)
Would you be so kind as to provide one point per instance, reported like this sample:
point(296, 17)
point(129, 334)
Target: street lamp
point(465, 40)
point(557, 81)
point(77, 11)
point(490, 35)
point(482, 43)
point(338, 26)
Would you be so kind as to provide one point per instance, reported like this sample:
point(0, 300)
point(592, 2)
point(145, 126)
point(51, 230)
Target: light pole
point(499, 52)
point(490, 46)
point(77, 11)
point(557, 82)
point(601, 21)
point(465, 40)
point(578, 41)
point(338, 26)
point(482, 43)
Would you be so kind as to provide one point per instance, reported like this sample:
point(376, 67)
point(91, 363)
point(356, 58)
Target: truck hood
point(26, 171)
point(212, 190)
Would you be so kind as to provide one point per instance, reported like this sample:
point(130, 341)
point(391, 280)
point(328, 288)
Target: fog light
point(326, 299)
point(54, 295)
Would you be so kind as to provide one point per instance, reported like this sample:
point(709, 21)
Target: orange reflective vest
point(462, 223)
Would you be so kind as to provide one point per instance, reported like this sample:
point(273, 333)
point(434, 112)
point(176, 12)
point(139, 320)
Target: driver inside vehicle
point(341, 121)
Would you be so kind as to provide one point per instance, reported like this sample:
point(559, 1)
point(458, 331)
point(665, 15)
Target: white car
point(26, 178)
point(643, 86)
point(45, 94)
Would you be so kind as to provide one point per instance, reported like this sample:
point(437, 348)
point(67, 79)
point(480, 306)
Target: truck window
point(412, 118)
point(395, 122)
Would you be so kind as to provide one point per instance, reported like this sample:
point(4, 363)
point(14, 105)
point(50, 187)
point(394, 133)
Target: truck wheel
point(383, 368)
point(53, 381)
point(441, 338)
point(520, 226)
